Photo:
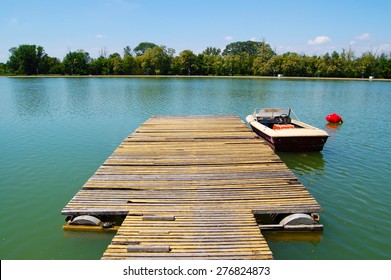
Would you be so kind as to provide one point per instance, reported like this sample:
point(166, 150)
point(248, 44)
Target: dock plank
point(208, 174)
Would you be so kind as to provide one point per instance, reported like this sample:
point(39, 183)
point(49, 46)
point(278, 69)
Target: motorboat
point(284, 132)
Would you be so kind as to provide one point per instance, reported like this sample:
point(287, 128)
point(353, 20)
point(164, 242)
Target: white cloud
point(364, 37)
point(14, 21)
point(253, 39)
point(228, 38)
point(99, 36)
point(319, 40)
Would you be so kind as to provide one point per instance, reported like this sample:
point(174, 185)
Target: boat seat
point(265, 120)
point(283, 126)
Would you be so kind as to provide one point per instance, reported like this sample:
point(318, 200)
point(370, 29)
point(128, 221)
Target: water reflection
point(56, 132)
point(313, 237)
point(332, 128)
point(306, 163)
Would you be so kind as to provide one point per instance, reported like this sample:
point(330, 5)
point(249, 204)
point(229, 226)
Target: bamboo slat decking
point(189, 187)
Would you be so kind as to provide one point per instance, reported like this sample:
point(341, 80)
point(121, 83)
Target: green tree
point(212, 51)
point(76, 63)
point(231, 65)
point(97, 66)
point(383, 67)
point(50, 64)
point(3, 69)
point(129, 65)
point(246, 64)
point(155, 61)
point(248, 57)
point(366, 64)
point(207, 67)
point(28, 60)
point(57, 67)
point(272, 67)
point(187, 62)
point(210, 62)
point(292, 65)
point(143, 47)
point(265, 53)
point(348, 63)
point(252, 48)
point(336, 65)
point(114, 64)
point(42, 61)
point(239, 58)
point(332, 65)
point(310, 64)
point(127, 51)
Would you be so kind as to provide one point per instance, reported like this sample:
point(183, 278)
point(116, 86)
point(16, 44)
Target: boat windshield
point(272, 112)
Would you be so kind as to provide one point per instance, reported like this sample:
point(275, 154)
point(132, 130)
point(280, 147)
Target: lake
point(55, 132)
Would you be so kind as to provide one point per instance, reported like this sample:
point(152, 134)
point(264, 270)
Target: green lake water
point(55, 132)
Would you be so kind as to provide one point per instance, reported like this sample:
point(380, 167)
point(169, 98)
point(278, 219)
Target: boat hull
point(290, 142)
point(293, 144)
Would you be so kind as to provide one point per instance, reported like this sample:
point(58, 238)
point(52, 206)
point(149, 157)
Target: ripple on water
point(56, 132)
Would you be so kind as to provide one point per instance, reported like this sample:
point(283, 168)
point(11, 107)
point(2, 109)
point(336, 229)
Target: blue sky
point(306, 26)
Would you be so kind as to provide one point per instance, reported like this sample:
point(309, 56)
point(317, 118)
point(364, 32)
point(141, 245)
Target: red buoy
point(334, 118)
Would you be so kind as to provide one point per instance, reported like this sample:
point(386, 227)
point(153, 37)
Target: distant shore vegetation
point(245, 58)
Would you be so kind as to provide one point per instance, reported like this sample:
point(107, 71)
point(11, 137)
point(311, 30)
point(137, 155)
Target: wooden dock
point(189, 187)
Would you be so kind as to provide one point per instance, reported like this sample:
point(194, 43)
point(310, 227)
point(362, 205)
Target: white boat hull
point(302, 138)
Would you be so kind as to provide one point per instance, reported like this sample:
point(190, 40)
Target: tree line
point(238, 58)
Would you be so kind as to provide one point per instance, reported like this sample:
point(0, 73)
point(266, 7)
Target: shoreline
point(200, 76)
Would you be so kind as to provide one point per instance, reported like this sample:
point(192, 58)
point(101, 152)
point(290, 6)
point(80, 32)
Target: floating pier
point(192, 187)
